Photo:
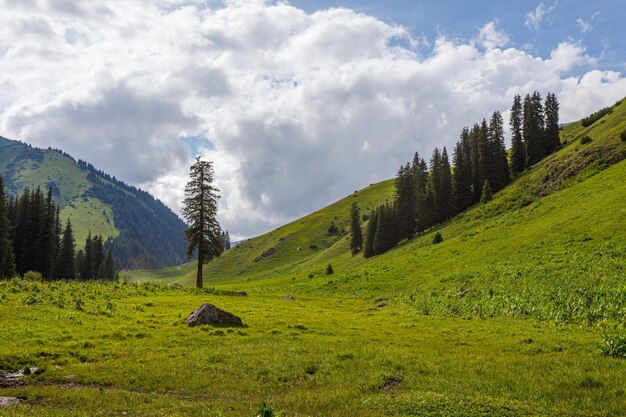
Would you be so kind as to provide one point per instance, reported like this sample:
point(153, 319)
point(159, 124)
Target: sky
point(297, 103)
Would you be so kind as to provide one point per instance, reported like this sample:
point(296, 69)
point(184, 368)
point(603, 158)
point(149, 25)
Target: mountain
point(561, 223)
point(143, 232)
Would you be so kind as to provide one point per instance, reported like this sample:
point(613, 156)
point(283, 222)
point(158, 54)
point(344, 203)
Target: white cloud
point(535, 17)
point(300, 109)
point(490, 37)
point(586, 26)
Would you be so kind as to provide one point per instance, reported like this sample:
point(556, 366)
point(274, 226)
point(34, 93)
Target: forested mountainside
point(141, 230)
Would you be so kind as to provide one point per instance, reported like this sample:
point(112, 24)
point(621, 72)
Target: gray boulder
point(209, 314)
point(9, 401)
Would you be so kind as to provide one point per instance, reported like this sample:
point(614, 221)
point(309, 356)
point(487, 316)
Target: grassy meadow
point(120, 349)
point(520, 311)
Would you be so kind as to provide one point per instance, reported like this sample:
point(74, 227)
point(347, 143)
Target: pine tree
point(485, 159)
point(226, 240)
point(386, 232)
point(533, 132)
point(87, 271)
point(97, 246)
point(462, 176)
point(518, 153)
point(420, 179)
point(406, 201)
point(445, 203)
point(487, 194)
point(109, 267)
point(500, 165)
point(7, 261)
point(49, 248)
point(329, 270)
point(370, 234)
point(474, 139)
point(551, 138)
point(356, 234)
point(65, 268)
point(200, 210)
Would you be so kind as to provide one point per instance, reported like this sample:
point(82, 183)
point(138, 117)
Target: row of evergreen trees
point(32, 238)
point(428, 194)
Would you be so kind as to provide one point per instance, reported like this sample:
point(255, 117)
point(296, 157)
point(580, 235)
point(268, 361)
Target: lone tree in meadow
point(356, 239)
point(199, 210)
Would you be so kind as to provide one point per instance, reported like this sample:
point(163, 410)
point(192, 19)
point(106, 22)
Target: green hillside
point(520, 311)
point(144, 232)
point(566, 204)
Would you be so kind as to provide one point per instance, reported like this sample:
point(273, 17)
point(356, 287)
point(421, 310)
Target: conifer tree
point(487, 194)
point(551, 138)
point(370, 234)
point(65, 268)
point(420, 178)
point(20, 234)
point(518, 153)
point(109, 267)
point(200, 210)
point(87, 270)
point(49, 248)
point(7, 262)
point(474, 139)
point(500, 171)
point(97, 247)
point(356, 234)
point(226, 239)
point(533, 132)
point(445, 203)
point(462, 176)
point(386, 233)
point(485, 160)
point(406, 201)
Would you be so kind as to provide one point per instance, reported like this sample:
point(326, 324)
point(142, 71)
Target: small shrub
point(623, 136)
point(33, 276)
point(585, 140)
point(332, 230)
point(313, 246)
point(265, 410)
point(365, 217)
point(329, 270)
point(311, 275)
point(613, 345)
point(437, 239)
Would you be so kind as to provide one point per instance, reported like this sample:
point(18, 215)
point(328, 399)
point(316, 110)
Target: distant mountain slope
point(556, 206)
point(144, 232)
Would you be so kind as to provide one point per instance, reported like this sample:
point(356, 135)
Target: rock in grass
point(209, 314)
point(9, 401)
point(289, 298)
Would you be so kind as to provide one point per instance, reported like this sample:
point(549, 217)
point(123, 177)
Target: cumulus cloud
point(534, 18)
point(295, 109)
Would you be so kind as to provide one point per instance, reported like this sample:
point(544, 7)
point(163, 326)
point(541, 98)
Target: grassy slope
point(559, 207)
point(550, 247)
point(72, 183)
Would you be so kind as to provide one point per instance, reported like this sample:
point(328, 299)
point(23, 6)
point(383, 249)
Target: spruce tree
point(487, 194)
point(551, 138)
point(474, 139)
point(87, 271)
point(462, 176)
point(7, 261)
point(518, 153)
point(97, 246)
point(485, 159)
point(370, 234)
point(109, 267)
point(200, 211)
point(445, 203)
point(500, 171)
point(533, 133)
point(65, 268)
point(420, 178)
point(386, 232)
point(49, 248)
point(356, 234)
point(406, 201)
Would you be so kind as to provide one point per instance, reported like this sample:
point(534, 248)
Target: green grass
point(110, 349)
point(86, 213)
point(520, 311)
